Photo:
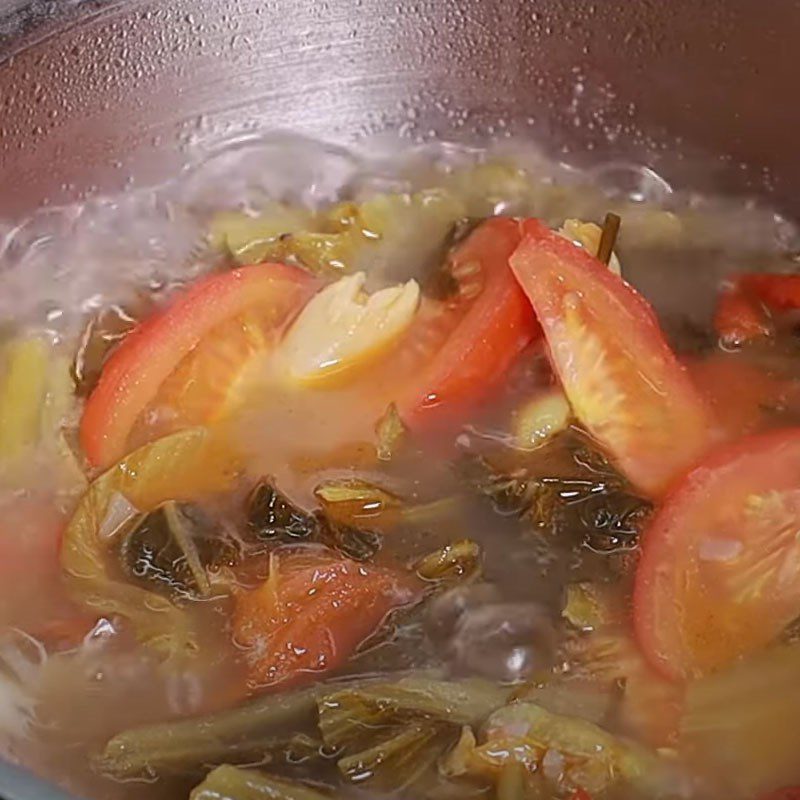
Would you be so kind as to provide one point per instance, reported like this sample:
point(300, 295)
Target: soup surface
point(456, 474)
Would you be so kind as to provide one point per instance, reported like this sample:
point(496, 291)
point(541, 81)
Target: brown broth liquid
point(79, 683)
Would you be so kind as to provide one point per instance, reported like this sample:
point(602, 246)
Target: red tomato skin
point(762, 463)
point(498, 325)
point(656, 424)
point(777, 292)
point(136, 369)
point(739, 318)
point(313, 616)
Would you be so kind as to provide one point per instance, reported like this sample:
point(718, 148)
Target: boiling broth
point(75, 678)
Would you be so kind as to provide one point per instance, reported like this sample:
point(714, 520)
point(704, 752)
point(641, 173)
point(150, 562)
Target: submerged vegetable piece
point(379, 232)
point(136, 370)
point(360, 544)
point(588, 498)
point(343, 329)
point(23, 387)
point(603, 652)
point(389, 433)
point(391, 734)
point(540, 419)
point(233, 783)
point(622, 380)
point(743, 311)
point(250, 238)
point(312, 612)
point(740, 726)
point(36, 400)
point(183, 466)
point(719, 572)
point(174, 548)
point(488, 324)
point(271, 514)
point(457, 561)
point(571, 752)
point(240, 735)
point(589, 606)
point(353, 501)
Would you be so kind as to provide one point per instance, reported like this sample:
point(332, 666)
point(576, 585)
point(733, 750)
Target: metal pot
point(97, 93)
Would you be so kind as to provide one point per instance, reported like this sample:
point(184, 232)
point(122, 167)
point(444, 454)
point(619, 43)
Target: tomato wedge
point(311, 613)
point(487, 324)
point(744, 308)
point(133, 374)
point(719, 574)
point(621, 378)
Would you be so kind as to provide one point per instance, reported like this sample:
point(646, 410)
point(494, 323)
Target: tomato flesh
point(621, 378)
point(131, 378)
point(489, 323)
point(719, 574)
point(310, 615)
point(212, 380)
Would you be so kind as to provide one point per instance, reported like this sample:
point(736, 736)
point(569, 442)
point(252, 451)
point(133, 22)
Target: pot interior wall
point(94, 93)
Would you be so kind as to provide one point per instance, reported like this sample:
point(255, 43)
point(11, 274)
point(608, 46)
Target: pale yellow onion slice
point(343, 328)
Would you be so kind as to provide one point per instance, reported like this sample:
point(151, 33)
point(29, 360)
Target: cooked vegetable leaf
point(460, 560)
point(251, 238)
point(540, 419)
point(271, 514)
point(378, 233)
point(391, 734)
point(233, 783)
point(22, 393)
point(185, 465)
point(351, 501)
point(390, 432)
point(587, 607)
point(241, 735)
point(496, 187)
point(270, 722)
point(602, 653)
point(431, 513)
point(172, 548)
point(357, 543)
point(588, 700)
point(593, 498)
point(36, 400)
point(514, 493)
point(740, 725)
point(587, 755)
point(354, 490)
